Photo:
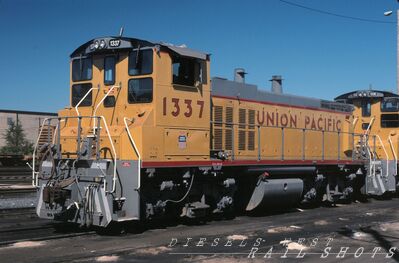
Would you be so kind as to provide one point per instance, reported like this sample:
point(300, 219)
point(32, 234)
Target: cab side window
point(187, 71)
point(390, 105)
point(389, 120)
point(140, 90)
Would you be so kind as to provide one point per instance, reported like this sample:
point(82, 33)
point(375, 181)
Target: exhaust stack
point(277, 84)
point(239, 75)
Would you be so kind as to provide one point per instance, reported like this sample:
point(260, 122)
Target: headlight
point(102, 44)
point(96, 44)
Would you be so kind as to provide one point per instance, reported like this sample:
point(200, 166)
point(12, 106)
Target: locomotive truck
point(148, 134)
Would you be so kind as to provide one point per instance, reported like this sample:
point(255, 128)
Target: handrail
point(302, 130)
point(135, 149)
point(114, 151)
point(394, 154)
point(355, 121)
point(81, 100)
point(102, 100)
point(372, 166)
point(35, 179)
point(35, 182)
point(385, 151)
point(370, 124)
point(56, 131)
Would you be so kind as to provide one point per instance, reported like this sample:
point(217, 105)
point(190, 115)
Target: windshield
point(78, 92)
point(140, 63)
point(82, 69)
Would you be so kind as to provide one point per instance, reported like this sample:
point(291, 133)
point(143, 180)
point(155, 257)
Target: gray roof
point(228, 88)
point(119, 43)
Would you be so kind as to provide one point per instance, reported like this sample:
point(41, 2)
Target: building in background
point(30, 121)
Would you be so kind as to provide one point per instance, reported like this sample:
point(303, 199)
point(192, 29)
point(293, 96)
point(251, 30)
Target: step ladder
point(380, 175)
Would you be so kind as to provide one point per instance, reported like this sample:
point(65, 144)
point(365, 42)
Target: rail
point(393, 153)
point(304, 131)
point(102, 100)
point(355, 121)
point(97, 134)
point(371, 155)
point(125, 119)
point(386, 153)
point(34, 173)
point(82, 99)
point(369, 126)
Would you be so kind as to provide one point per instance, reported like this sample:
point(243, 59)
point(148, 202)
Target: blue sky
point(318, 55)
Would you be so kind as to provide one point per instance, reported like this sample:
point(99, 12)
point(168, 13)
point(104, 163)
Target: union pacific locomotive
point(148, 135)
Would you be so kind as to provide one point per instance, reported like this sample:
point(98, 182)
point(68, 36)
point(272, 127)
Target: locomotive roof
point(228, 88)
point(119, 43)
point(366, 94)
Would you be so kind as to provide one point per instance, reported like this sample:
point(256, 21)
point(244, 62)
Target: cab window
point(109, 70)
point(389, 120)
point(140, 90)
point(78, 92)
point(82, 69)
point(140, 62)
point(390, 105)
point(109, 101)
point(366, 108)
point(187, 71)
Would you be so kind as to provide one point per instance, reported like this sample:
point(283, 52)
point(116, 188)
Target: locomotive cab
point(133, 103)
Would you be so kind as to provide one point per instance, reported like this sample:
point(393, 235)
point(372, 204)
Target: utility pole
point(397, 51)
point(388, 13)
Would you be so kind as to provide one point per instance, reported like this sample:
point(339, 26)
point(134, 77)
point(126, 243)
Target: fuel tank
point(275, 193)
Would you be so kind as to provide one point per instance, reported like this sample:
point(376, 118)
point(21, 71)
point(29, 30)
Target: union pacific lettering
point(321, 123)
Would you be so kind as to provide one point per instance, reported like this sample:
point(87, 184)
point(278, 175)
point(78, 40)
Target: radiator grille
point(251, 119)
point(228, 139)
point(218, 116)
point(251, 140)
point(242, 118)
point(229, 117)
point(241, 140)
point(217, 139)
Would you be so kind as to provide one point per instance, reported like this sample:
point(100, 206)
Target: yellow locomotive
point(148, 134)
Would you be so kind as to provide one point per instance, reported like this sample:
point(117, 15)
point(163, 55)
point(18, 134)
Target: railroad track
point(15, 175)
point(19, 225)
point(39, 233)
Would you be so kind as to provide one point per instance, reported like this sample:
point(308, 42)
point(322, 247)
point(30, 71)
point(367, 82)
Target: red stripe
point(149, 164)
point(280, 104)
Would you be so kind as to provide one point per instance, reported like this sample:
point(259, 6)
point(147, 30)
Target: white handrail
point(81, 100)
point(101, 101)
point(114, 151)
point(394, 154)
point(56, 131)
point(372, 166)
point(385, 151)
point(135, 149)
point(355, 121)
point(35, 182)
point(368, 127)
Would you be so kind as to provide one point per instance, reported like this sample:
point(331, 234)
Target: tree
point(16, 142)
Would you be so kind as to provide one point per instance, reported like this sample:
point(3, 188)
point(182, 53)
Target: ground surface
point(358, 232)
